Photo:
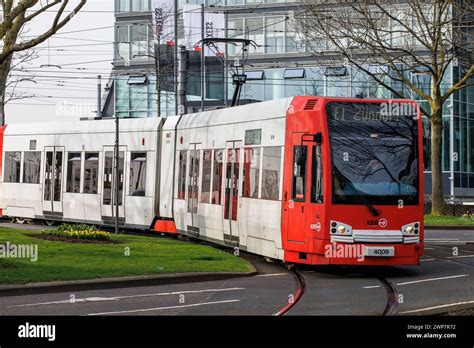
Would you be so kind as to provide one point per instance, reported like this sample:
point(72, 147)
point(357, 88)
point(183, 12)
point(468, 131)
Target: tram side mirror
point(318, 138)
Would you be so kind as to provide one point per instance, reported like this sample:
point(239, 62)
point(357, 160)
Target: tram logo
point(383, 222)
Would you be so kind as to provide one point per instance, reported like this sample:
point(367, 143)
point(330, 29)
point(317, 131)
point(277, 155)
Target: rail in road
point(443, 282)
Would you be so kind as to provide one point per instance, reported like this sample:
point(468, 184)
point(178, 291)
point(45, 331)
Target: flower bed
point(79, 232)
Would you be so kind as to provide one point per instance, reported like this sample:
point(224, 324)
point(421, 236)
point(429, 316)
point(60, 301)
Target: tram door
point(298, 190)
point(193, 189)
point(52, 182)
point(108, 206)
point(232, 191)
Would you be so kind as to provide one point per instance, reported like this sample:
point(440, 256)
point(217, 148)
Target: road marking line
point(423, 260)
point(70, 301)
point(420, 281)
point(433, 279)
point(272, 275)
point(450, 241)
point(437, 307)
point(179, 293)
point(164, 308)
point(459, 256)
point(442, 239)
point(99, 299)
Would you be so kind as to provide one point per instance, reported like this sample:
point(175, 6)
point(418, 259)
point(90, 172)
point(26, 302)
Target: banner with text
point(163, 21)
point(214, 27)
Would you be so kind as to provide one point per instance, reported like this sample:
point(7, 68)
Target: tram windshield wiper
point(372, 209)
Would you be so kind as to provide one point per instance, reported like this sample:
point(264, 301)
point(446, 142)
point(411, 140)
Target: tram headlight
point(340, 228)
point(412, 229)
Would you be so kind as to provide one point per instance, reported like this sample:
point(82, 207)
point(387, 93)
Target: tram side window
point(182, 174)
point(271, 165)
point(138, 174)
point(12, 166)
point(251, 177)
point(206, 176)
point(317, 176)
point(299, 172)
point(91, 172)
point(74, 160)
point(31, 167)
point(218, 158)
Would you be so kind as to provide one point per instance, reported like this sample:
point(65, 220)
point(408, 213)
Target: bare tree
point(392, 41)
point(16, 79)
point(16, 14)
point(152, 42)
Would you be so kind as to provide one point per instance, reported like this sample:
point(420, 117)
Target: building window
point(122, 43)
point(12, 166)
point(138, 174)
point(255, 29)
point(299, 172)
point(294, 74)
point(140, 5)
point(255, 75)
point(31, 167)
point(139, 41)
point(275, 35)
point(206, 176)
point(182, 174)
point(122, 5)
point(132, 5)
point(135, 96)
point(251, 179)
point(217, 176)
point(235, 29)
point(271, 166)
point(91, 172)
point(74, 172)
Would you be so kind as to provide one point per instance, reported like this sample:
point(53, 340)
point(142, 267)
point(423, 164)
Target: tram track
point(391, 307)
point(297, 294)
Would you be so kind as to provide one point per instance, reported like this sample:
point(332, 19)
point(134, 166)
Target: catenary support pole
point(99, 95)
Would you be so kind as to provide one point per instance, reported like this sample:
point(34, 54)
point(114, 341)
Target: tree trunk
point(4, 72)
point(437, 195)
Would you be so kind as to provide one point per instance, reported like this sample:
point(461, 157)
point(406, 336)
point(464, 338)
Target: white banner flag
point(163, 21)
point(214, 27)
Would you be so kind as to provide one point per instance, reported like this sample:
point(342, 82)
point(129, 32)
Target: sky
point(83, 49)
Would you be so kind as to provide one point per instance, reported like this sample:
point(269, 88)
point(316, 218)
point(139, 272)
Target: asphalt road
point(443, 282)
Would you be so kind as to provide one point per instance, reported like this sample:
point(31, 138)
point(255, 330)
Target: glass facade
point(279, 49)
point(132, 5)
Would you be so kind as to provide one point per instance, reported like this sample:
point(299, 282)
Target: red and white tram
point(311, 180)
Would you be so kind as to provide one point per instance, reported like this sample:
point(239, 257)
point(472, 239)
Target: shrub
point(81, 231)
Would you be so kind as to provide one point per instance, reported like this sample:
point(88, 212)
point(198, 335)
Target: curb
point(451, 310)
point(454, 227)
point(122, 282)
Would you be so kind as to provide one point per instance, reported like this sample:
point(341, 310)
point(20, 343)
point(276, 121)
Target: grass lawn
point(448, 221)
point(73, 261)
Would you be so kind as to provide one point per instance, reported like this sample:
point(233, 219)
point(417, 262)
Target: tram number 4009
point(379, 251)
